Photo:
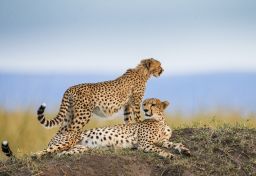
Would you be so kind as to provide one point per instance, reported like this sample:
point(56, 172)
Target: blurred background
point(207, 48)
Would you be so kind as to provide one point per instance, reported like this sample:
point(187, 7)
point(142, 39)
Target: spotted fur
point(150, 135)
point(81, 101)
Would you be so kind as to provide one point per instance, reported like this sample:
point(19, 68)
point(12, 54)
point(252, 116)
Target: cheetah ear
point(165, 104)
point(146, 63)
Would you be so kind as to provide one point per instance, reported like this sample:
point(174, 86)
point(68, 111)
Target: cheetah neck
point(139, 70)
point(159, 117)
point(143, 71)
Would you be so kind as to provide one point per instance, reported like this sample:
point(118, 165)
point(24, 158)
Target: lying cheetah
point(103, 99)
point(150, 135)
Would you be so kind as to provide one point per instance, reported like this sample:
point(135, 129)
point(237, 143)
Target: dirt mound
point(223, 151)
point(102, 165)
point(87, 164)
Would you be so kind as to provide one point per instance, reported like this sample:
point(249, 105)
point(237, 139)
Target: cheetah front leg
point(128, 114)
point(179, 147)
point(136, 102)
point(77, 149)
point(148, 147)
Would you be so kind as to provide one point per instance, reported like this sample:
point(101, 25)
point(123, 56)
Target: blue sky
point(110, 36)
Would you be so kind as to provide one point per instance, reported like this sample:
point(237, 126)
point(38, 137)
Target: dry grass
point(26, 135)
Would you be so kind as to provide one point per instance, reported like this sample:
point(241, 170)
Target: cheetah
point(81, 101)
point(150, 135)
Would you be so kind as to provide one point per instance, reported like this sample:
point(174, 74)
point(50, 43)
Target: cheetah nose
point(146, 110)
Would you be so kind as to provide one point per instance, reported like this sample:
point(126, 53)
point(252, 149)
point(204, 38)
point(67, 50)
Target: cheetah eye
point(153, 104)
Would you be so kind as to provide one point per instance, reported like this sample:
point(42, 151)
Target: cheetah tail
point(58, 119)
point(6, 149)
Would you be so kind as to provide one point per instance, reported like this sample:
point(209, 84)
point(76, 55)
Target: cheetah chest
point(164, 133)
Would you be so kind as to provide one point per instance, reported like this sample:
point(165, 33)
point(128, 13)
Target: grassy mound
point(215, 151)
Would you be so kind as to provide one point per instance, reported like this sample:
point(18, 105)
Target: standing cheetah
point(103, 99)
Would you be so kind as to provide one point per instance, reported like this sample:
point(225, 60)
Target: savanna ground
point(220, 143)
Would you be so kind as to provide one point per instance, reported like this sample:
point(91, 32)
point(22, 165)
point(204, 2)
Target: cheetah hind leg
point(77, 149)
point(50, 150)
point(60, 142)
point(45, 152)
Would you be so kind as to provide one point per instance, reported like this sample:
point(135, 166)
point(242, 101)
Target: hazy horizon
point(188, 94)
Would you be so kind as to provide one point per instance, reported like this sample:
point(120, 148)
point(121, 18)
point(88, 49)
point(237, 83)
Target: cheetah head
point(154, 108)
point(152, 66)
